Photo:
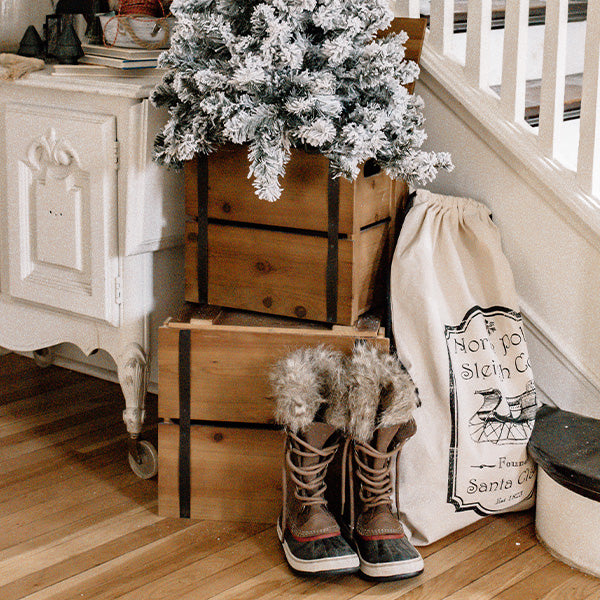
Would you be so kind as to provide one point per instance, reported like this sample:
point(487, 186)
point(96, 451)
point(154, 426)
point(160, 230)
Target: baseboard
point(561, 379)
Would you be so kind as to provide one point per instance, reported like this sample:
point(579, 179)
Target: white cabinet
point(84, 213)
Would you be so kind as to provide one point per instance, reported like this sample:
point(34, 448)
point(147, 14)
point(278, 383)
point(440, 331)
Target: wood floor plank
point(470, 568)
point(77, 542)
point(42, 578)
point(434, 547)
point(505, 576)
point(116, 578)
point(30, 422)
point(57, 512)
point(94, 511)
point(50, 401)
point(65, 487)
point(32, 381)
point(216, 572)
point(58, 434)
point(47, 470)
point(539, 584)
point(578, 587)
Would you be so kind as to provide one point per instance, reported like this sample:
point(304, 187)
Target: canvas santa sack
point(459, 333)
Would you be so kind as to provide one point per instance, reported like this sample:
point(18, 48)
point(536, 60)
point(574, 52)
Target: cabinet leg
point(133, 377)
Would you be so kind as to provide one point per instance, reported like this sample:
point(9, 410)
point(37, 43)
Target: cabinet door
point(62, 209)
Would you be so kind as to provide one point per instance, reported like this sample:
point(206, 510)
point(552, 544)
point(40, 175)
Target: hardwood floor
point(76, 523)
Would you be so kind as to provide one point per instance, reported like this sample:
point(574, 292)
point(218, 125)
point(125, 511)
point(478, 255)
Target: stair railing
point(514, 67)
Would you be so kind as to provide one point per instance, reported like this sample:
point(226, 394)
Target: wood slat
point(572, 98)
point(230, 363)
point(235, 472)
point(303, 201)
point(537, 13)
point(85, 527)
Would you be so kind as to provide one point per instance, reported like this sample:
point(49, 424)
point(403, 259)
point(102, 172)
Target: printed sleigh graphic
point(492, 411)
point(504, 420)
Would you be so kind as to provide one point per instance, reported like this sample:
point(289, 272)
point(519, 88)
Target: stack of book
point(113, 61)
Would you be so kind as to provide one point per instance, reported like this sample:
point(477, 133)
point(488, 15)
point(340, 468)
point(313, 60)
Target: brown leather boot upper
point(307, 458)
point(373, 472)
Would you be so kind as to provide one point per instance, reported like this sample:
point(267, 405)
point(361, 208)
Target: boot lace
point(309, 480)
point(376, 488)
point(376, 483)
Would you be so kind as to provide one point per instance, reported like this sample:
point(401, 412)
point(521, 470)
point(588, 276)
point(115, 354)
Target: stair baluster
point(441, 24)
point(514, 60)
point(552, 98)
point(408, 8)
point(479, 25)
point(588, 163)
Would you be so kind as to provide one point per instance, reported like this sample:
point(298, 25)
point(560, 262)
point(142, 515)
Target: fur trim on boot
point(380, 392)
point(306, 382)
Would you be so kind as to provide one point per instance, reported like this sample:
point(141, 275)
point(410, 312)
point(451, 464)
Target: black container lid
point(567, 447)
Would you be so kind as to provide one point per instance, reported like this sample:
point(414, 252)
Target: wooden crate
point(213, 387)
point(277, 257)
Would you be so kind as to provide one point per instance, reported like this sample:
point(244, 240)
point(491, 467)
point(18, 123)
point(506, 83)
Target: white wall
point(17, 15)
point(557, 271)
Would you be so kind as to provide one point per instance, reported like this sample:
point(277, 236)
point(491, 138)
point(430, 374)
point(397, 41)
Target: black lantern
point(68, 50)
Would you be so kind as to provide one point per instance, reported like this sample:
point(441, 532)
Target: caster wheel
point(43, 357)
point(145, 465)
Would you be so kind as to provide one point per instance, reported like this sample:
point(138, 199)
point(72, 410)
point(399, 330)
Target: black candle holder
point(31, 44)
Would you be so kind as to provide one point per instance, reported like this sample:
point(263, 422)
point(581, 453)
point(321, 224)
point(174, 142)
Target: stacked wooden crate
point(219, 452)
point(308, 269)
point(314, 254)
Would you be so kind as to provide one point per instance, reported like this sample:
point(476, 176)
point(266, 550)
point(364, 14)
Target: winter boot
point(306, 384)
point(380, 400)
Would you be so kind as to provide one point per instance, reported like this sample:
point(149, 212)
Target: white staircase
point(540, 176)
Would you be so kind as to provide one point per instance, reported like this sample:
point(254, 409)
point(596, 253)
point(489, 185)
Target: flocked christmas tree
point(277, 74)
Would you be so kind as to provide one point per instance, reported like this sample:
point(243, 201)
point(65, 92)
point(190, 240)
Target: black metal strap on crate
point(333, 226)
point(184, 423)
point(202, 189)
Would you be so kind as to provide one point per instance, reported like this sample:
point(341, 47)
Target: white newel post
point(588, 163)
point(514, 60)
point(441, 24)
point(553, 75)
